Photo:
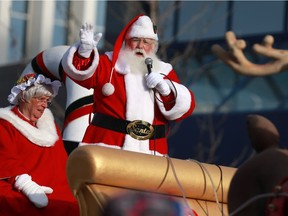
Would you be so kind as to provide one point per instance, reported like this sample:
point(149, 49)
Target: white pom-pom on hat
point(108, 89)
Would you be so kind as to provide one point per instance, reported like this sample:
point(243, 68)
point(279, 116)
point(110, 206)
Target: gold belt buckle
point(140, 130)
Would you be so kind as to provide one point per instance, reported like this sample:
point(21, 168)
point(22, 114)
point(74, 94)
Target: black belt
point(138, 129)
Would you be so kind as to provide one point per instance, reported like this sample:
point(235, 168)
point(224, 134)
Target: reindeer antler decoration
point(236, 59)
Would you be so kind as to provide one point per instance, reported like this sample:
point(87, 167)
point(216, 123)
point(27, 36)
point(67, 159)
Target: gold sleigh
point(97, 173)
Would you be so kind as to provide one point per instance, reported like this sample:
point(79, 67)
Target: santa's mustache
point(140, 52)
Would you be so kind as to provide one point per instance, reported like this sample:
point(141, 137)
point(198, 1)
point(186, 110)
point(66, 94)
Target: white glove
point(155, 80)
point(87, 42)
point(35, 193)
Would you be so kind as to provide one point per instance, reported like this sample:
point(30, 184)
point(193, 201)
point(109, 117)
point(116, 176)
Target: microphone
point(148, 62)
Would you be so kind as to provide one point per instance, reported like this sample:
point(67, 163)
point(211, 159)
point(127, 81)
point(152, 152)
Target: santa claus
point(136, 94)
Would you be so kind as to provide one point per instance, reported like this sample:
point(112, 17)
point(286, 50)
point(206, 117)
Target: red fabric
point(81, 62)
point(47, 167)
point(169, 101)
point(115, 105)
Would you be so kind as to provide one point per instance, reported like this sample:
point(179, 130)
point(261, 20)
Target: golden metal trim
point(140, 130)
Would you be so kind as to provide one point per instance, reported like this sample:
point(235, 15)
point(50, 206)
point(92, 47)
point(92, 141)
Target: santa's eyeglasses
point(146, 41)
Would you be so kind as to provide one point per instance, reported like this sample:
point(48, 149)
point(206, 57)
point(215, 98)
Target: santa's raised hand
point(87, 40)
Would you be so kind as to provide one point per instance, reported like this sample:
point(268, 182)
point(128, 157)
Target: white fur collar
point(45, 134)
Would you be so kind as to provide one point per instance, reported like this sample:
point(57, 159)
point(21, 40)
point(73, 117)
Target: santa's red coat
point(131, 100)
point(39, 152)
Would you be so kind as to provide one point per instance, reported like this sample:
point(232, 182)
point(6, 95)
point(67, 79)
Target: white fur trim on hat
point(29, 80)
point(143, 28)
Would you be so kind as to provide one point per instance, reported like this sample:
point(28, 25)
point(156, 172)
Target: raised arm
point(235, 58)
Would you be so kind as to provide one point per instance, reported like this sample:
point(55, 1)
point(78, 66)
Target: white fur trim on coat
point(67, 63)
point(182, 103)
point(45, 134)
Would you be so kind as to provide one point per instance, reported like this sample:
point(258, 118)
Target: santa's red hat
point(140, 26)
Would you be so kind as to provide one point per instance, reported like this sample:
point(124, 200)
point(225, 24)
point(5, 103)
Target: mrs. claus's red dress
point(39, 152)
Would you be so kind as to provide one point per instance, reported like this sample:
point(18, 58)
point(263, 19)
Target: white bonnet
point(29, 80)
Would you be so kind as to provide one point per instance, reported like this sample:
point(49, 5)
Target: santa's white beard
point(137, 63)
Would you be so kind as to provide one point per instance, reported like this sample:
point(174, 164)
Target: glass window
point(201, 20)
point(19, 6)
point(59, 35)
point(193, 20)
point(220, 88)
point(258, 17)
point(165, 27)
point(60, 25)
point(100, 21)
point(17, 36)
